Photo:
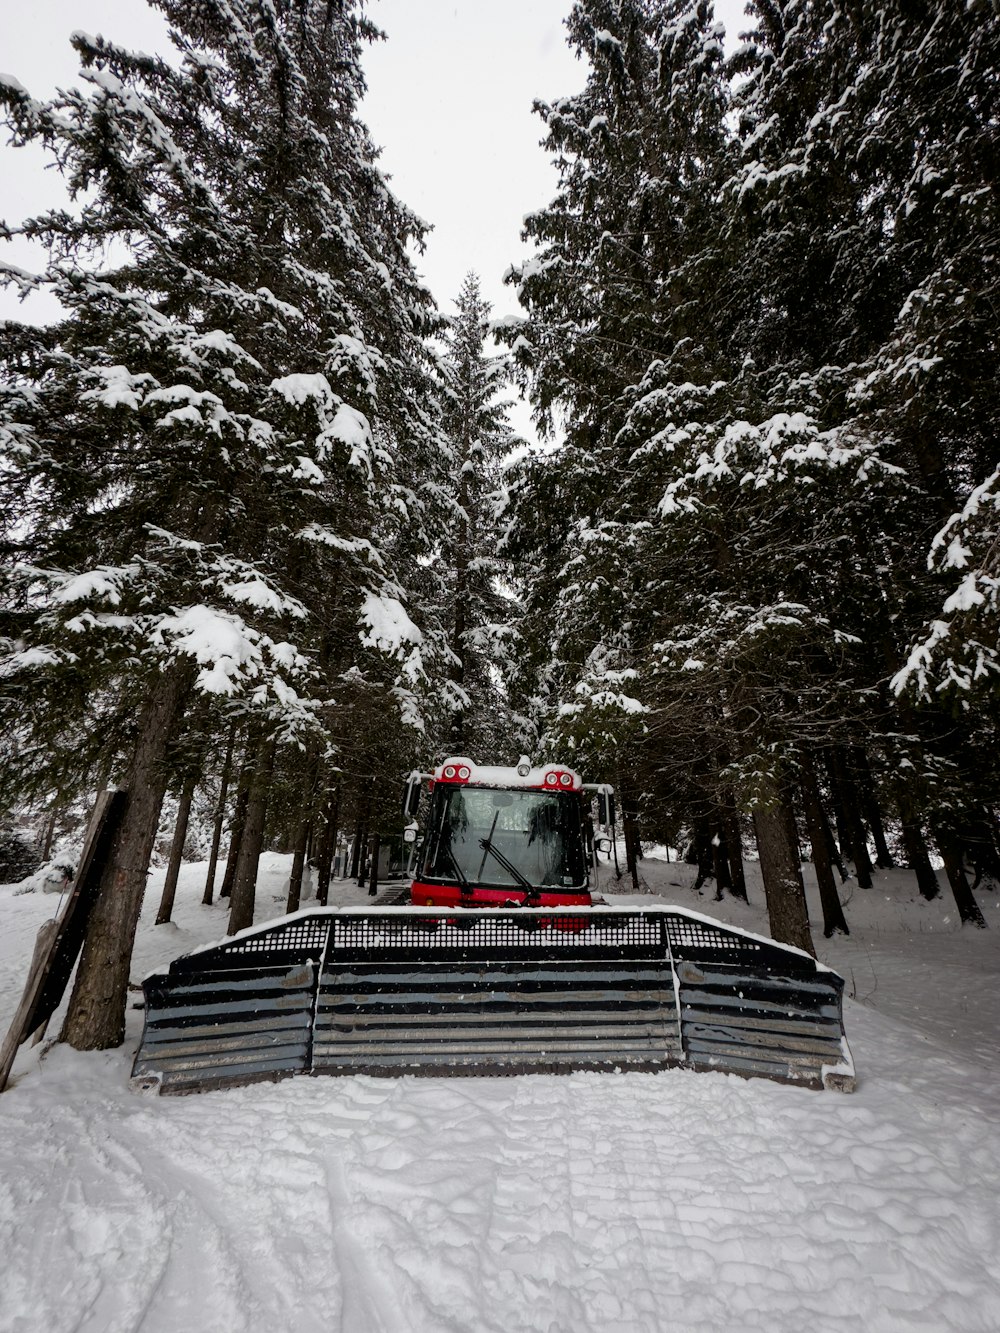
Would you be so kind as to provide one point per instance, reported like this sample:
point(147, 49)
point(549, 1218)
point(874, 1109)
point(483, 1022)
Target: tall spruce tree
point(478, 601)
point(781, 419)
point(212, 492)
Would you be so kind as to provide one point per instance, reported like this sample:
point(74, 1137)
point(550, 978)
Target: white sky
point(449, 100)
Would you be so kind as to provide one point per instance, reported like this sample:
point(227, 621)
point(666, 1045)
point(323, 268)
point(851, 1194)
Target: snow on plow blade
point(419, 991)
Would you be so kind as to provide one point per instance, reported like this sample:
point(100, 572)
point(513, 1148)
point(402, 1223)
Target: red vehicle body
point(502, 837)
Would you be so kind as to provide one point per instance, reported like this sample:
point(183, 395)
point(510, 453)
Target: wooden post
point(59, 942)
point(16, 1034)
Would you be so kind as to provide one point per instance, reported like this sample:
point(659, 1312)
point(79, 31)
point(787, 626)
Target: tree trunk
point(842, 842)
point(334, 816)
point(920, 862)
point(301, 833)
point(96, 1017)
point(968, 908)
point(781, 872)
point(356, 851)
point(631, 832)
point(220, 816)
point(457, 669)
point(720, 864)
point(871, 808)
point(833, 912)
point(363, 862)
point(857, 841)
point(373, 880)
point(176, 853)
point(236, 834)
point(833, 851)
point(50, 834)
point(327, 847)
point(734, 849)
point(242, 903)
point(298, 865)
point(981, 845)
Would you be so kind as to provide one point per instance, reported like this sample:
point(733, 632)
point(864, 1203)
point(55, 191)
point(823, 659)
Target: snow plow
point(503, 964)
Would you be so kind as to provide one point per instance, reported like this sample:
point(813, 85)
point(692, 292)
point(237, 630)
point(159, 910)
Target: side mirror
point(411, 796)
point(606, 807)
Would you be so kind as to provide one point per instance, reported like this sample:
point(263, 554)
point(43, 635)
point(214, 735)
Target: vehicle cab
point(500, 837)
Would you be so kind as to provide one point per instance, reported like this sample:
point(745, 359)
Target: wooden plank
point(56, 953)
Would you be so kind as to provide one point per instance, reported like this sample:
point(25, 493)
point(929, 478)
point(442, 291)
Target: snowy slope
point(642, 1202)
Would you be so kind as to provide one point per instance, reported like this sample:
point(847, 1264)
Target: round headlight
point(464, 773)
point(449, 772)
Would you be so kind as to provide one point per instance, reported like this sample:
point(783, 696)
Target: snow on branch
point(389, 628)
point(961, 651)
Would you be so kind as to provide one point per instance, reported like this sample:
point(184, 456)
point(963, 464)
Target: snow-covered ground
point(671, 1201)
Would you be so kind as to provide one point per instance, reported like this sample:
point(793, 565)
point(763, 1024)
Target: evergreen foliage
point(476, 584)
point(758, 308)
point(225, 458)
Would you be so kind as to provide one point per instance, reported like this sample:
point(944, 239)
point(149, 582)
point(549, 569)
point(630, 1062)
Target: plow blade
point(409, 990)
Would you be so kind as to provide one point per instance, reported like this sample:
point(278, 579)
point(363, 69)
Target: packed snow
point(640, 1202)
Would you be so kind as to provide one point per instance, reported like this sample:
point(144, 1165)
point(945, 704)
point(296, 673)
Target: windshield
point(537, 832)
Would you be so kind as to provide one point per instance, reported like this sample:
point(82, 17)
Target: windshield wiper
point(532, 893)
point(466, 887)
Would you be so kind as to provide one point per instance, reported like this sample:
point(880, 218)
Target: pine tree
point(213, 496)
point(730, 524)
point(478, 607)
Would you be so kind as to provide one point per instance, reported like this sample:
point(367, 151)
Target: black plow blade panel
point(514, 1017)
point(209, 1030)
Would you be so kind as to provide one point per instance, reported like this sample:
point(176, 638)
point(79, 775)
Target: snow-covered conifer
point(214, 493)
point(478, 607)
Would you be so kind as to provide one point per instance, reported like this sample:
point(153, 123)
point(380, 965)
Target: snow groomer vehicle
point(503, 963)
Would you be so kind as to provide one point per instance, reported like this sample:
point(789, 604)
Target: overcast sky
point(450, 96)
